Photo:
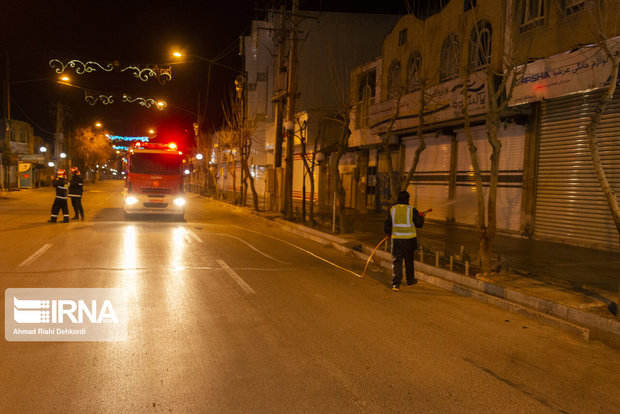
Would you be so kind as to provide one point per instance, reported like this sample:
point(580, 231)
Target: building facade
point(545, 166)
point(329, 45)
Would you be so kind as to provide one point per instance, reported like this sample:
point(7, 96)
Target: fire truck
point(154, 180)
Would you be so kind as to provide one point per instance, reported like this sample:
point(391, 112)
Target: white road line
point(250, 246)
point(194, 236)
point(35, 255)
point(247, 288)
point(303, 250)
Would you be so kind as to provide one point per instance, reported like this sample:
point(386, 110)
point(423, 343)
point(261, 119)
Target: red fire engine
point(154, 180)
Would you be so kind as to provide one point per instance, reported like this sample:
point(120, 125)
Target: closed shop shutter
point(510, 176)
point(430, 185)
point(570, 205)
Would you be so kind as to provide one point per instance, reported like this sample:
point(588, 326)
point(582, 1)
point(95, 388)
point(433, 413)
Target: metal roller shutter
point(570, 205)
point(431, 180)
point(510, 180)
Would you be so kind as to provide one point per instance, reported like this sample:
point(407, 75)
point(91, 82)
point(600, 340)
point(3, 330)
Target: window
point(363, 107)
point(469, 4)
point(413, 71)
point(402, 37)
point(394, 82)
point(450, 52)
point(532, 14)
point(366, 87)
point(480, 45)
point(22, 135)
point(575, 6)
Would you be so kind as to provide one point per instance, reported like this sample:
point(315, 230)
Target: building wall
point(561, 32)
point(427, 37)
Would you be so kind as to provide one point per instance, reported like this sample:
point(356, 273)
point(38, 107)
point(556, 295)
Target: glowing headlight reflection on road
point(178, 246)
point(129, 248)
point(129, 264)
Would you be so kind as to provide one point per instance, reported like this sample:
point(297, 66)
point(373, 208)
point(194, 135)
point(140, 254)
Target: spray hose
point(373, 253)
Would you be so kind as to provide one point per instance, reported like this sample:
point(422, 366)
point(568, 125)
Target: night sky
point(130, 31)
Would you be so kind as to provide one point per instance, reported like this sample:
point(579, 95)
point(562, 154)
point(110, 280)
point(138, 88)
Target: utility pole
point(277, 155)
point(290, 115)
point(7, 131)
point(58, 135)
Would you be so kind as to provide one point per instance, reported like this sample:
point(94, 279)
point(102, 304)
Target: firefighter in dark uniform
point(76, 185)
point(60, 202)
point(400, 224)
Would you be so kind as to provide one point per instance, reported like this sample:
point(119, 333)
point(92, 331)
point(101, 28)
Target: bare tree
point(90, 147)
point(598, 11)
point(240, 131)
point(501, 79)
point(343, 119)
point(387, 151)
point(309, 160)
point(420, 133)
point(402, 182)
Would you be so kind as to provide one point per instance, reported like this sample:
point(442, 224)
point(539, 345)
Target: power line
point(29, 118)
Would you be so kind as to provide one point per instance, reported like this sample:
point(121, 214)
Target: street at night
point(229, 313)
point(309, 206)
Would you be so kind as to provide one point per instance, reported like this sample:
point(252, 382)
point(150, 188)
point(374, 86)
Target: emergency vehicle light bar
point(155, 145)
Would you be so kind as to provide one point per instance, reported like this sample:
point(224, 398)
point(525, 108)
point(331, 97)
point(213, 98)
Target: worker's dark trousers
point(60, 203)
point(403, 250)
point(76, 203)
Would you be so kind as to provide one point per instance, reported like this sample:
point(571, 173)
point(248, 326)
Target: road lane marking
point(303, 250)
point(250, 246)
point(35, 255)
point(247, 288)
point(194, 236)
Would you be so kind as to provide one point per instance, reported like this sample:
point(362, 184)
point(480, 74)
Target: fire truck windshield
point(149, 163)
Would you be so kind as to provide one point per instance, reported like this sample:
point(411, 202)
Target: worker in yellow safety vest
point(401, 227)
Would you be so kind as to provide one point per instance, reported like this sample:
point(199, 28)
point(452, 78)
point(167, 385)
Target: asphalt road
point(230, 314)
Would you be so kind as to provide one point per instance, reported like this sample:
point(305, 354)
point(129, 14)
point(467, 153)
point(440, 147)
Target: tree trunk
point(591, 131)
point(485, 246)
point(385, 140)
point(422, 143)
point(249, 177)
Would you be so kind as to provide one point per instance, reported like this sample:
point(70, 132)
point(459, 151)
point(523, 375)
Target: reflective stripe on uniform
point(62, 198)
point(401, 222)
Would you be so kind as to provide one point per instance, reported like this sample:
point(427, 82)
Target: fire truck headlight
point(179, 201)
point(131, 200)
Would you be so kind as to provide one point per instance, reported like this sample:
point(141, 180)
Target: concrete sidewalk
point(573, 288)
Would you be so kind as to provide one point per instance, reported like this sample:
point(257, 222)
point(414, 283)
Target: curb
point(575, 321)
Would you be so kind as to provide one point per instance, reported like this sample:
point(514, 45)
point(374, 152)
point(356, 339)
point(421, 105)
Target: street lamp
point(63, 155)
point(198, 156)
point(98, 124)
point(43, 149)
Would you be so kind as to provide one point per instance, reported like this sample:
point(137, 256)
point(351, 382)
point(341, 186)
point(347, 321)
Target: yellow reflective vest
point(402, 222)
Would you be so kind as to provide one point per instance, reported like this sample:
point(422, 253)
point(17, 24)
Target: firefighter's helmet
point(75, 170)
point(61, 173)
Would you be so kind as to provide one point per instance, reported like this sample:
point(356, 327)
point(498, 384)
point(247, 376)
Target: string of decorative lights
point(92, 97)
point(163, 73)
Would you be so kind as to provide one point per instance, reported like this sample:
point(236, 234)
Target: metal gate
point(570, 205)
point(510, 176)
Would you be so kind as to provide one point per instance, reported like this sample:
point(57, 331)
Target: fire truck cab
point(154, 180)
